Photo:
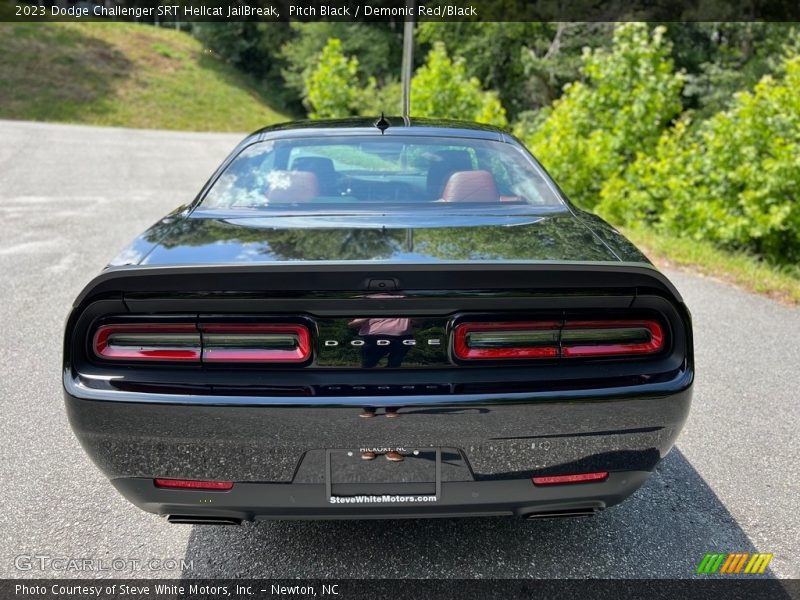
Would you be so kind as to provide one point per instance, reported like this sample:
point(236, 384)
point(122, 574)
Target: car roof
point(367, 126)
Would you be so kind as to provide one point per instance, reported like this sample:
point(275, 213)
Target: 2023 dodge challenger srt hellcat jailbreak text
point(360, 321)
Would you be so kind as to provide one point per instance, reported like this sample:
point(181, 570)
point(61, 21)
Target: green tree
point(629, 94)
point(377, 46)
point(375, 99)
point(733, 179)
point(441, 88)
point(721, 59)
point(527, 62)
point(332, 86)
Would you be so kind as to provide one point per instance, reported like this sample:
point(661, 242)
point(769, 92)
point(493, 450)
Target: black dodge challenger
point(360, 319)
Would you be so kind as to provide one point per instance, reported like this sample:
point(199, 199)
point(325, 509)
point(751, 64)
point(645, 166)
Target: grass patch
point(124, 74)
point(743, 270)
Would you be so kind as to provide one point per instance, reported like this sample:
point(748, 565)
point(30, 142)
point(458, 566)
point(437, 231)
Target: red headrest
point(470, 186)
point(292, 186)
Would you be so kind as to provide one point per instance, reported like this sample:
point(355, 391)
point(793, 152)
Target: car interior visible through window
point(361, 172)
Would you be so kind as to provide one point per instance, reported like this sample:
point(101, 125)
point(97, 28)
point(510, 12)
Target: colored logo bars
point(735, 562)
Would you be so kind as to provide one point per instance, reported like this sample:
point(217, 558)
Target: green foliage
point(332, 87)
point(733, 179)
point(494, 51)
point(375, 99)
point(722, 58)
point(629, 95)
point(441, 88)
point(528, 63)
point(255, 49)
point(377, 46)
point(125, 75)
point(551, 62)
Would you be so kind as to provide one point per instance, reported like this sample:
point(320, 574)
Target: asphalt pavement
point(71, 197)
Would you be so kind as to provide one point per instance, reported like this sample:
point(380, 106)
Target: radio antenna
point(408, 58)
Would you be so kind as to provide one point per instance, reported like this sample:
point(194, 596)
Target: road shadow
point(663, 530)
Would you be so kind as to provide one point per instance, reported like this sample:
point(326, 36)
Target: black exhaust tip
point(190, 520)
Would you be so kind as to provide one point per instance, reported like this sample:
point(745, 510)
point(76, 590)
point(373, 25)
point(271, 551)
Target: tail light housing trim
point(514, 340)
point(148, 342)
point(268, 343)
point(611, 338)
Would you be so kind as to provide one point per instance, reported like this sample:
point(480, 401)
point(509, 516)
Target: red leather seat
point(443, 164)
point(470, 186)
point(292, 186)
point(323, 168)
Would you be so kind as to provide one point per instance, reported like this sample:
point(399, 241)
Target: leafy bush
point(733, 179)
point(441, 88)
point(375, 99)
point(596, 128)
point(527, 62)
point(332, 87)
point(376, 45)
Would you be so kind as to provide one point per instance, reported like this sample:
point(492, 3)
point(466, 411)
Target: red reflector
point(193, 484)
point(148, 341)
point(562, 479)
point(523, 339)
point(251, 342)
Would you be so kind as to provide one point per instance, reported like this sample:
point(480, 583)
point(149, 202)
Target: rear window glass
point(366, 173)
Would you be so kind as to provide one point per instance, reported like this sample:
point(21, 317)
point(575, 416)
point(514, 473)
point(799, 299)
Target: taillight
point(564, 479)
point(193, 484)
point(207, 342)
point(506, 340)
point(148, 341)
point(255, 343)
point(557, 339)
point(611, 338)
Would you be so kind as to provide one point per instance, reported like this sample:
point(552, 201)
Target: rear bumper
point(274, 448)
point(260, 501)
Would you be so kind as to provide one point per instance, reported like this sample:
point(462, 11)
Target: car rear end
point(216, 394)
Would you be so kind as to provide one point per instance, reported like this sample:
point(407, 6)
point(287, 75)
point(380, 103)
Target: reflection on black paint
point(383, 337)
point(558, 236)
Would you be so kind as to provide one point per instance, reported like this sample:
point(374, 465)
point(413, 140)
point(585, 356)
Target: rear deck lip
point(106, 282)
point(75, 387)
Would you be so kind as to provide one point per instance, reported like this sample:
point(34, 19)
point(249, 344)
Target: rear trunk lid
point(398, 238)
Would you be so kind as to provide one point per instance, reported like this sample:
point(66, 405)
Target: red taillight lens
point(611, 338)
point(148, 341)
point(554, 339)
point(247, 342)
point(193, 484)
point(207, 342)
point(578, 478)
point(506, 340)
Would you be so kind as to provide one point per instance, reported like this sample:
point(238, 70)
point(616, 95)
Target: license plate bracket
point(347, 474)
